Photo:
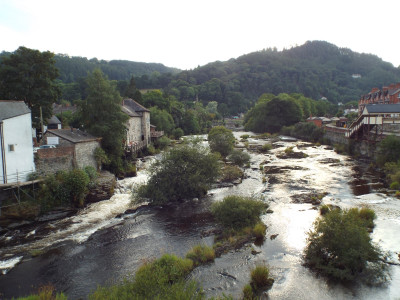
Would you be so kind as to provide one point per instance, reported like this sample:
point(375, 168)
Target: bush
point(161, 279)
point(259, 230)
point(231, 173)
point(162, 143)
point(239, 158)
point(388, 150)
point(289, 150)
point(45, 293)
point(340, 247)
point(183, 172)
point(248, 292)
point(237, 212)
point(395, 185)
point(201, 254)
point(101, 157)
point(76, 182)
point(221, 140)
point(260, 278)
point(177, 133)
point(266, 148)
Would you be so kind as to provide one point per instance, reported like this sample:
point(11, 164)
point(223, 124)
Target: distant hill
point(316, 69)
point(72, 68)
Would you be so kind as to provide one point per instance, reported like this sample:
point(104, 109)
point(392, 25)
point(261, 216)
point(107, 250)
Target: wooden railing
point(156, 134)
point(135, 146)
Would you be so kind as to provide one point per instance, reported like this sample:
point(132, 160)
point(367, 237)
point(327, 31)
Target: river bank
point(101, 246)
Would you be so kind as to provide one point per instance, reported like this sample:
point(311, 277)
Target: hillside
point(72, 68)
point(316, 69)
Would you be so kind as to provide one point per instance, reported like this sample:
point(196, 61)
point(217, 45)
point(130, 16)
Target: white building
point(16, 149)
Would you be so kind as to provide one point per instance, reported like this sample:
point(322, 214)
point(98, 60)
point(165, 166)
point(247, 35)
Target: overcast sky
point(186, 34)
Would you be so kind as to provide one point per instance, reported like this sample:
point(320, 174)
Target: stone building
point(73, 149)
point(138, 126)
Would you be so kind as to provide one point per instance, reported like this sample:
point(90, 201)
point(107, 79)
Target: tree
point(162, 120)
point(271, 116)
point(388, 150)
point(102, 116)
point(221, 140)
point(30, 75)
point(184, 172)
point(132, 92)
point(340, 247)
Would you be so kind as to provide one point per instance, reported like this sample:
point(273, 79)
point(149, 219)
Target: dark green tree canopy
point(102, 115)
point(30, 75)
point(272, 115)
point(184, 172)
point(221, 140)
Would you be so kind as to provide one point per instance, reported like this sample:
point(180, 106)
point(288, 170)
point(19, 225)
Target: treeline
point(271, 112)
point(73, 68)
point(316, 69)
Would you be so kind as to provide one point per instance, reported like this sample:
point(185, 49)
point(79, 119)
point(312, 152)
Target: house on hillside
point(16, 147)
point(138, 126)
point(73, 149)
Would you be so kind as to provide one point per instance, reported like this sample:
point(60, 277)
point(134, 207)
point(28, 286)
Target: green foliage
point(395, 185)
point(248, 292)
point(388, 150)
point(102, 116)
point(177, 133)
point(289, 150)
point(161, 279)
point(260, 230)
point(162, 143)
point(266, 147)
point(101, 157)
point(260, 278)
point(183, 172)
point(231, 173)
point(236, 212)
point(201, 254)
point(221, 140)
point(46, 292)
point(30, 75)
point(76, 183)
point(239, 158)
point(340, 247)
point(162, 120)
point(272, 115)
point(306, 131)
point(64, 189)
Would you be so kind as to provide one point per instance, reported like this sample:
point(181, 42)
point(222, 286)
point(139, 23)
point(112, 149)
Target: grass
point(259, 230)
point(201, 254)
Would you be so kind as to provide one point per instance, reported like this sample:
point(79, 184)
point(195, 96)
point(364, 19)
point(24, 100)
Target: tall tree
point(102, 116)
point(30, 75)
point(132, 92)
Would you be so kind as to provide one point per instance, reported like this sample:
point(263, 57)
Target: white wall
point(19, 163)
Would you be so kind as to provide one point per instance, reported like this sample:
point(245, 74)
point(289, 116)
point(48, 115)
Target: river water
point(102, 245)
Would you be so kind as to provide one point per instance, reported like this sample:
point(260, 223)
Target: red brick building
point(387, 95)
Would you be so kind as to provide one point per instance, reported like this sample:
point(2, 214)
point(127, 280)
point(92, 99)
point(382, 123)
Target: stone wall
point(51, 160)
point(84, 153)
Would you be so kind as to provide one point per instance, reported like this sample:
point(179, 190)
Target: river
point(101, 245)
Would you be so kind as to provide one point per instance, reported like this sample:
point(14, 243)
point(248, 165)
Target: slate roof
point(53, 120)
point(383, 108)
point(10, 109)
point(74, 136)
point(132, 108)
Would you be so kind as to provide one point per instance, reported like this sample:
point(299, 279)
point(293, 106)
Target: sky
point(186, 34)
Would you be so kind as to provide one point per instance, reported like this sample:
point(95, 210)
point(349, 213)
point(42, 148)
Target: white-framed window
point(11, 147)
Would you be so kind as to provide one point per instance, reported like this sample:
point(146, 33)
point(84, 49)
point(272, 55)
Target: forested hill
point(73, 68)
point(316, 69)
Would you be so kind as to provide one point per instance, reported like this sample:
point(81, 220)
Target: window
point(11, 148)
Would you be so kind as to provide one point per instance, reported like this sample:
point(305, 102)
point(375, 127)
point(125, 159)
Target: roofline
point(68, 139)
point(28, 113)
